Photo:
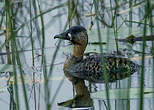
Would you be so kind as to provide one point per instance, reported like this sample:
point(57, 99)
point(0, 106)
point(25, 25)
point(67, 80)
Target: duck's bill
point(61, 36)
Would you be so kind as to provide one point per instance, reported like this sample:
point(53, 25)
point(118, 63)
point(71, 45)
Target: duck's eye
point(70, 36)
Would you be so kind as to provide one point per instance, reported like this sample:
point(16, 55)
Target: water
point(60, 88)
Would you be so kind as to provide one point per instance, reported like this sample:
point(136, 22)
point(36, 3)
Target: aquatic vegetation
point(31, 63)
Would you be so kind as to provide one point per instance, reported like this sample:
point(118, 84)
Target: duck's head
point(76, 34)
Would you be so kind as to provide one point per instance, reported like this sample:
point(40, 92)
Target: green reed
point(43, 62)
point(102, 60)
point(152, 48)
point(36, 16)
point(32, 45)
point(9, 32)
point(15, 59)
point(147, 9)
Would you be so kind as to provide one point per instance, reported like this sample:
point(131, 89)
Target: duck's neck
point(79, 50)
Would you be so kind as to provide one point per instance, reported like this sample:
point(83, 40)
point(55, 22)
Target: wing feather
point(91, 68)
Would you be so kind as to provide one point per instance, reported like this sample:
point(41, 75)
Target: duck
point(78, 68)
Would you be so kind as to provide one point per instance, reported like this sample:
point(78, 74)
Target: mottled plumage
point(91, 68)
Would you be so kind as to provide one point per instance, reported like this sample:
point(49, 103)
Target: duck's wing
point(92, 69)
point(89, 68)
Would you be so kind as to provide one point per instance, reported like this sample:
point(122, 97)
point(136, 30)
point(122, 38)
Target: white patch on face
point(70, 36)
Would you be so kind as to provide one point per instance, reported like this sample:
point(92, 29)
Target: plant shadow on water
point(31, 69)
